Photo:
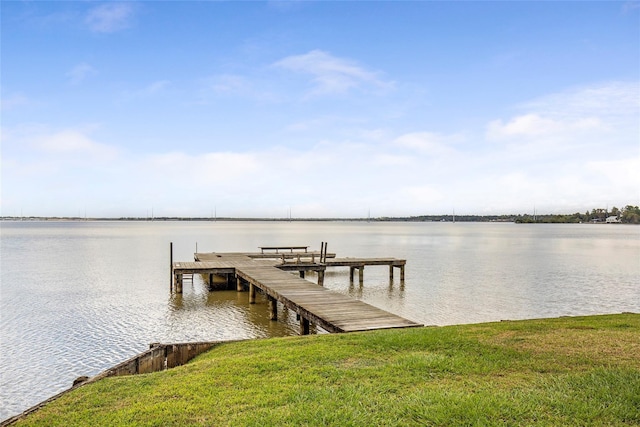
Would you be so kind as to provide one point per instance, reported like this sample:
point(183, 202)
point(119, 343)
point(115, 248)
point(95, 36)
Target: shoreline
point(162, 357)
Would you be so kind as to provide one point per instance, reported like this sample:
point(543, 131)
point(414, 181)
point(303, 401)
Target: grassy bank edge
point(578, 370)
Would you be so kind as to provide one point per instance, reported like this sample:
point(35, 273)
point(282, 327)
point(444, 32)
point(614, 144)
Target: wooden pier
point(332, 311)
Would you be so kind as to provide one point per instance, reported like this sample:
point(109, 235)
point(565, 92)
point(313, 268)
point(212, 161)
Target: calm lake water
point(79, 297)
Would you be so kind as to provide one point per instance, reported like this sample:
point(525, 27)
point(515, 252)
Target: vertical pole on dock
point(238, 284)
point(402, 274)
point(170, 266)
point(321, 277)
point(391, 273)
point(301, 274)
point(361, 274)
point(351, 271)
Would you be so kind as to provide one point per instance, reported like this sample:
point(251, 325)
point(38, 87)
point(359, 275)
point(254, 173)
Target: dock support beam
point(401, 267)
point(252, 293)
point(321, 277)
point(352, 270)
point(302, 274)
point(238, 284)
point(304, 326)
point(178, 285)
point(273, 308)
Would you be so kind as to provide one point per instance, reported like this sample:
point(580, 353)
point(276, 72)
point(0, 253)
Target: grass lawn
point(567, 371)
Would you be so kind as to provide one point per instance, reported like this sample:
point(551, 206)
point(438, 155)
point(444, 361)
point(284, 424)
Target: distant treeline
point(627, 215)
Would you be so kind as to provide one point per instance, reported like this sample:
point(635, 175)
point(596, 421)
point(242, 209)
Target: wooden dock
point(332, 311)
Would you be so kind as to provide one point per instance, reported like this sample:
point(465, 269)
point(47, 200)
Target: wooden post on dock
point(391, 273)
point(171, 267)
point(273, 308)
point(361, 274)
point(323, 252)
point(238, 284)
point(351, 272)
point(252, 293)
point(302, 274)
point(321, 277)
point(402, 274)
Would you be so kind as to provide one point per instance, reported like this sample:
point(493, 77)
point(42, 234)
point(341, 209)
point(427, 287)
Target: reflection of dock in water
point(269, 272)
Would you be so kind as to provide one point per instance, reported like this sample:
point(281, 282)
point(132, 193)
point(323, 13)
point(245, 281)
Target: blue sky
point(327, 109)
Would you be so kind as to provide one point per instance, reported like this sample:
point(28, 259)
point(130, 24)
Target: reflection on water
point(79, 297)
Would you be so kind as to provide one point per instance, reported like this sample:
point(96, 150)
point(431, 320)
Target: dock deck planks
point(332, 311)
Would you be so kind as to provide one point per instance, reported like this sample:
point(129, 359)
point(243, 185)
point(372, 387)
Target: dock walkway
point(332, 311)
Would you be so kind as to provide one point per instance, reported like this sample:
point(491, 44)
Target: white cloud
point(605, 100)
point(332, 75)
point(236, 85)
point(533, 125)
point(572, 124)
point(620, 173)
point(110, 17)
point(74, 142)
point(80, 72)
point(422, 196)
point(229, 83)
point(13, 101)
point(560, 154)
point(428, 142)
point(156, 87)
point(392, 160)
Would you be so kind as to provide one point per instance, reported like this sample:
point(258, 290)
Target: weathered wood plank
point(327, 309)
point(330, 310)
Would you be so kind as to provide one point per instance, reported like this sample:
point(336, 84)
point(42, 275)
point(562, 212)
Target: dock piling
point(273, 308)
point(304, 326)
point(252, 293)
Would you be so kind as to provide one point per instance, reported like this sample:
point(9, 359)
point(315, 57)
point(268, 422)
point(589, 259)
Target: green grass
point(567, 371)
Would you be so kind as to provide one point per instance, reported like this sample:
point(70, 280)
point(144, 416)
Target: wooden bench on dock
point(283, 248)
